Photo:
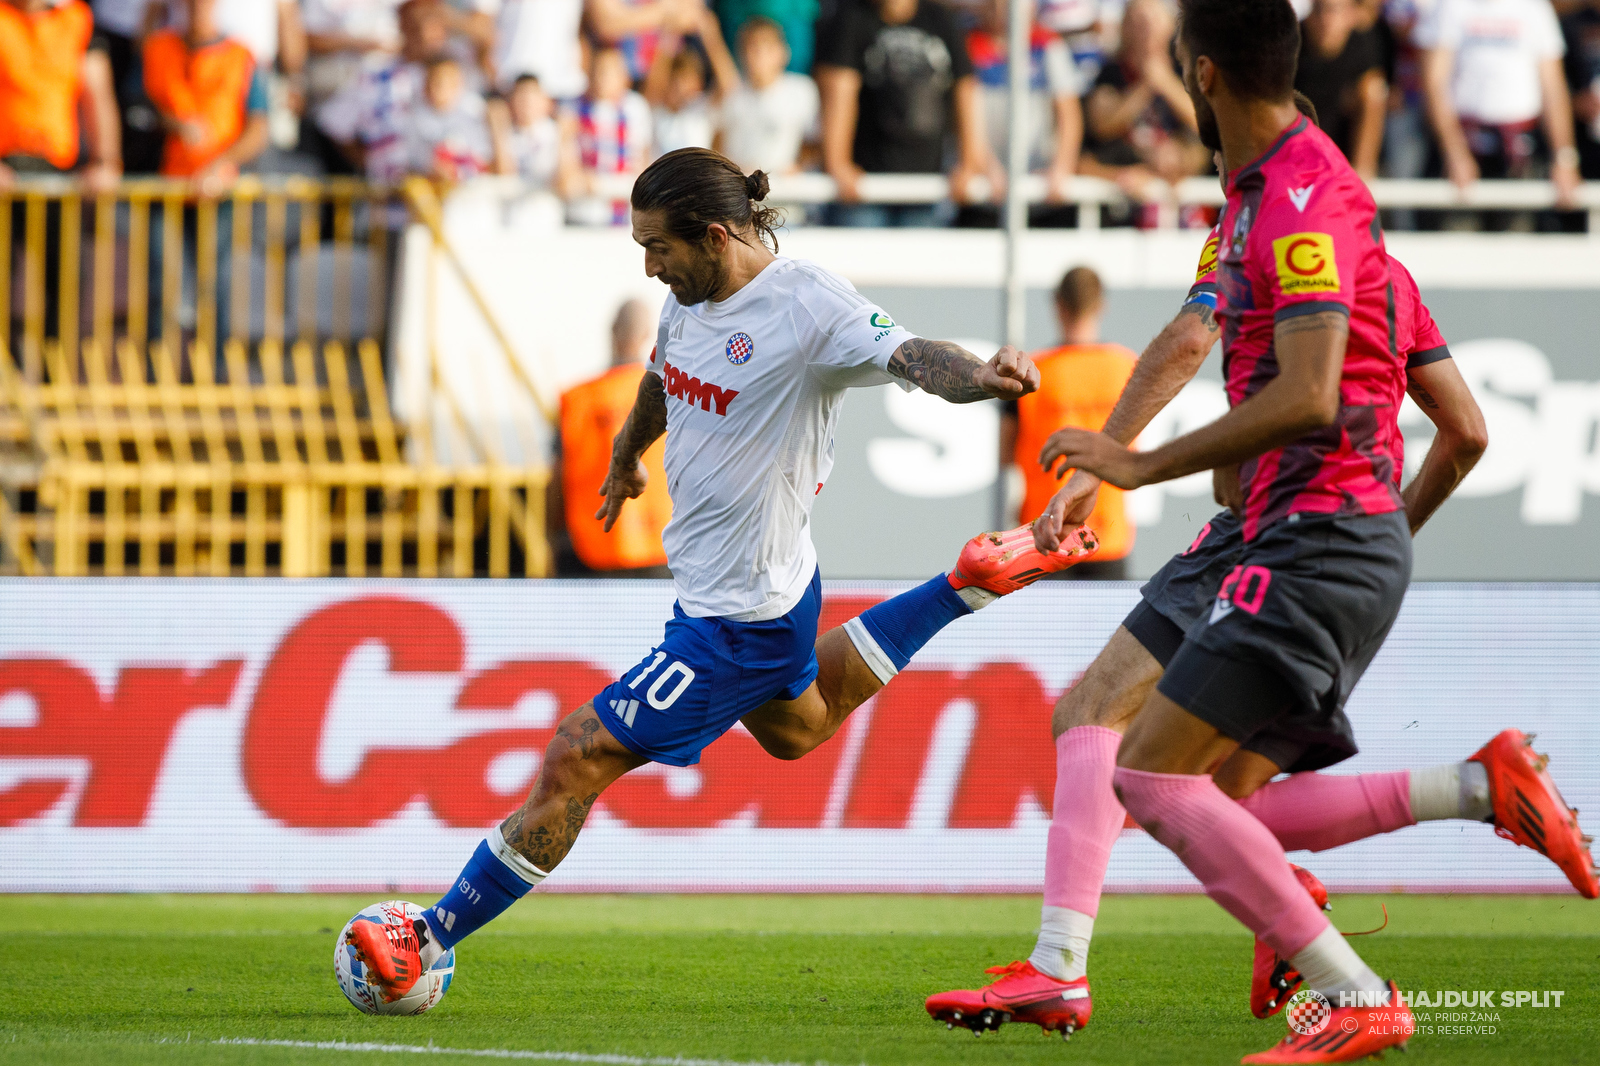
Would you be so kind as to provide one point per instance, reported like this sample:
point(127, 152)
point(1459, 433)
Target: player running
point(752, 357)
point(1312, 811)
point(1314, 377)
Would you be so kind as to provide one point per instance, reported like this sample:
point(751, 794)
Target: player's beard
point(1206, 122)
point(702, 282)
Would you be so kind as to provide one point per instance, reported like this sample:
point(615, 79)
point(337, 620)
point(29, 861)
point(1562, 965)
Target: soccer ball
point(352, 973)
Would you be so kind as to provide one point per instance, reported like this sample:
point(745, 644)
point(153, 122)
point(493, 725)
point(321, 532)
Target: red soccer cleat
point(1319, 1032)
point(1022, 994)
point(999, 563)
point(1273, 980)
point(391, 953)
point(1529, 810)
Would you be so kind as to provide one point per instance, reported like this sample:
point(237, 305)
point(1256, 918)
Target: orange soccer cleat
point(998, 563)
point(1273, 980)
point(391, 952)
point(1320, 1032)
point(1529, 810)
point(1022, 994)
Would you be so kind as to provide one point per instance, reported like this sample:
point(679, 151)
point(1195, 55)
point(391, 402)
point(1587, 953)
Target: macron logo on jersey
point(1301, 197)
point(697, 393)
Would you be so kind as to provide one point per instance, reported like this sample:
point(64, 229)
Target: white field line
point(495, 1053)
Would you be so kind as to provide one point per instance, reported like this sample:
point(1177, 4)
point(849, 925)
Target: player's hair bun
point(756, 185)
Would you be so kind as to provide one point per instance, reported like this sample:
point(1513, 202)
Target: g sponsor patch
point(1208, 259)
point(1306, 263)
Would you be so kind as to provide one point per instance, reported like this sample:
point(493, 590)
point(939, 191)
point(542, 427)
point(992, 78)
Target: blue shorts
point(705, 675)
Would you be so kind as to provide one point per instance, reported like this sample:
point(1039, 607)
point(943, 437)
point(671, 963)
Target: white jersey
point(754, 385)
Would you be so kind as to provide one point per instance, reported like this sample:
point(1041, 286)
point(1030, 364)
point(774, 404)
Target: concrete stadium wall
point(164, 735)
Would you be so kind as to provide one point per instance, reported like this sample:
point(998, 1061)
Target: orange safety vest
point(41, 70)
point(591, 415)
point(1078, 386)
point(210, 85)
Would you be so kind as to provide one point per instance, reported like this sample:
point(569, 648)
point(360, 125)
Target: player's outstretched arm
point(1169, 362)
point(1304, 396)
point(1442, 393)
point(646, 422)
point(951, 372)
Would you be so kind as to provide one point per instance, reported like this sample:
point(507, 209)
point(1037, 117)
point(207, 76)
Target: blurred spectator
point(796, 21)
point(1055, 114)
point(1406, 141)
point(769, 115)
point(54, 73)
point(541, 141)
point(613, 135)
point(276, 37)
point(341, 36)
point(121, 25)
point(591, 415)
point(1581, 27)
point(367, 118)
point(1492, 71)
point(542, 38)
point(676, 90)
point(898, 86)
point(1141, 123)
point(1341, 71)
point(211, 96)
point(1079, 382)
point(447, 136)
point(472, 41)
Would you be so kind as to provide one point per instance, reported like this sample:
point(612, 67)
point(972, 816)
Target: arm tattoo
point(1423, 396)
point(645, 424)
point(1204, 312)
point(939, 367)
point(1322, 320)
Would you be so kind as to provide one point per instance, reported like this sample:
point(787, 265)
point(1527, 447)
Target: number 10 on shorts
point(1245, 588)
point(657, 695)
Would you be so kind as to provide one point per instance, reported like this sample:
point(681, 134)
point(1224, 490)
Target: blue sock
point(485, 888)
point(901, 626)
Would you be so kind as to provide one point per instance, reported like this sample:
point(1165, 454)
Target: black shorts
point(1271, 659)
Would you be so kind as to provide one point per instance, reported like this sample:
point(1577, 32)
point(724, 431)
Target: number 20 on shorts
point(656, 695)
point(1246, 587)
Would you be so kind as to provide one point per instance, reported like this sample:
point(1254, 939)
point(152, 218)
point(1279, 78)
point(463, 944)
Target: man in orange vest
point(591, 415)
point(1079, 384)
point(53, 74)
point(211, 97)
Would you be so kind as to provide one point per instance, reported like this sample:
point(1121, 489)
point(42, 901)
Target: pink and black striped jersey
point(1300, 235)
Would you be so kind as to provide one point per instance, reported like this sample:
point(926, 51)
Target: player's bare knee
point(1243, 772)
point(790, 744)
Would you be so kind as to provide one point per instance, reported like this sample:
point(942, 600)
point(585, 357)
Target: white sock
point(1330, 966)
point(1457, 790)
point(1063, 948)
point(977, 598)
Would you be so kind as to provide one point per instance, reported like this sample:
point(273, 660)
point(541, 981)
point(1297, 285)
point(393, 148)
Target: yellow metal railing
point(156, 421)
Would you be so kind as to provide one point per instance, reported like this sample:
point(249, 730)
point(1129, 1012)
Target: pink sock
point(1085, 819)
point(1316, 812)
point(1235, 857)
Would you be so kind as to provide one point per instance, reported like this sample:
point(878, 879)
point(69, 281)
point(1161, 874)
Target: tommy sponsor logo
point(1245, 587)
point(1301, 197)
point(697, 393)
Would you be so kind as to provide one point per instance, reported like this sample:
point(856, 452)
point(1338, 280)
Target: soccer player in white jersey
point(752, 357)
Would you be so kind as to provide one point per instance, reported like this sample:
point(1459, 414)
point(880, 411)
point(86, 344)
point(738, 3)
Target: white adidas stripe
point(493, 1053)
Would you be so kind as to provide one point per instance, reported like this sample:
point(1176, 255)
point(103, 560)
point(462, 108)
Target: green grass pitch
point(741, 979)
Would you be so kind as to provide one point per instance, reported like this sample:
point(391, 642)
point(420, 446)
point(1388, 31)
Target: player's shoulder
point(1305, 178)
point(1405, 286)
point(817, 286)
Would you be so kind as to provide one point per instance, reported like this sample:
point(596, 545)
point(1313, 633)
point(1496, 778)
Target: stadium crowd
point(560, 91)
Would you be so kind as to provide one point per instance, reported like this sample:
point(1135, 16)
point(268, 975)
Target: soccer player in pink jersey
point(1314, 375)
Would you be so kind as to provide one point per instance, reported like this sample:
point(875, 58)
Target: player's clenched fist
point(618, 488)
point(1010, 374)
